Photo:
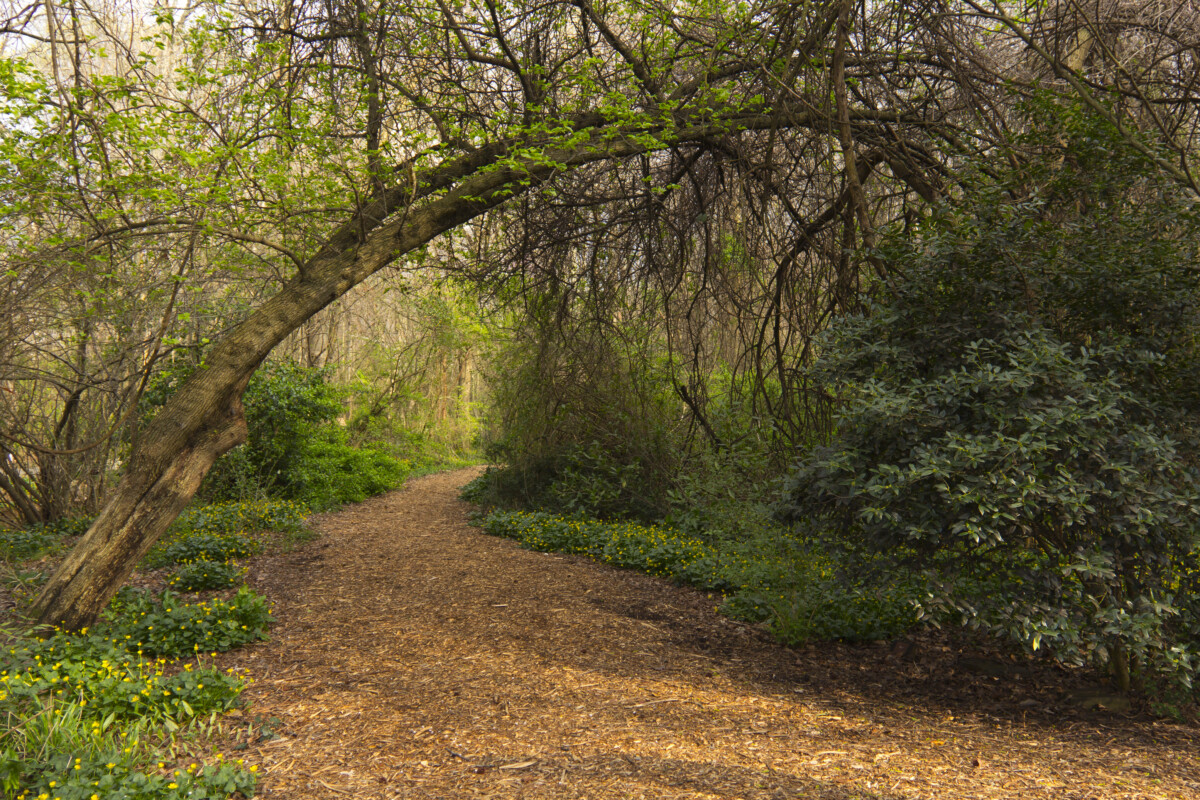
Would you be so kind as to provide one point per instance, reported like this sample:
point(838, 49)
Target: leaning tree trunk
point(203, 419)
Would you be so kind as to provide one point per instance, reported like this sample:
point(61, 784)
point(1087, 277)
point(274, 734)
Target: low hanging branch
point(1067, 70)
point(204, 418)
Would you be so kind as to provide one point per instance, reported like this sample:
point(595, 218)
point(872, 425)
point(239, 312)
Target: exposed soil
point(416, 657)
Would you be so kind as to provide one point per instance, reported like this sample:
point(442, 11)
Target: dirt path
point(416, 657)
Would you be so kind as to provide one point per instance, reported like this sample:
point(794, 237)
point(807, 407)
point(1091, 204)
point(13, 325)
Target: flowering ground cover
point(82, 712)
point(413, 656)
point(94, 714)
point(800, 591)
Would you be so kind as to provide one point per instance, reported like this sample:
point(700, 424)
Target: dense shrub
point(478, 489)
point(723, 495)
point(1020, 413)
point(285, 405)
point(583, 421)
point(332, 473)
point(591, 416)
point(295, 448)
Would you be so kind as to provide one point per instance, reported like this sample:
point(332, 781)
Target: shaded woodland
point(865, 316)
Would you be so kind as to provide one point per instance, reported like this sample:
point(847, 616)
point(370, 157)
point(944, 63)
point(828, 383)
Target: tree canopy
point(212, 177)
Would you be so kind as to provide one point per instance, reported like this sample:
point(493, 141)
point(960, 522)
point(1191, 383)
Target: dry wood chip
point(403, 593)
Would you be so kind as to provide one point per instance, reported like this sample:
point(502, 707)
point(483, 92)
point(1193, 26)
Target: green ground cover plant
point(26, 543)
point(202, 575)
point(164, 626)
point(239, 516)
point(101, 675)
point(82, 712)
point(36, 540)
point(802, 592)
point(191, 547)
point(61, 752)
point(205, 542)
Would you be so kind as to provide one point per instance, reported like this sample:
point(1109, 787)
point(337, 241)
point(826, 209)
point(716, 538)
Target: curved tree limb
point(204, 418)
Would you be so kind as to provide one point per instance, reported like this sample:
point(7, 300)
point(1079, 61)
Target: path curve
point(415, 657)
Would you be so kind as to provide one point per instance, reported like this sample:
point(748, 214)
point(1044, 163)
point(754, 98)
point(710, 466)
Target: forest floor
point(416, 657)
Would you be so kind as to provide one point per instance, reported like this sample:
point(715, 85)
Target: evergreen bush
point(1020, 414)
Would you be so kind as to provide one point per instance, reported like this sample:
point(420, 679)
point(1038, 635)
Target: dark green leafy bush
point(331, 473)
point(478, 489)
point(588, 480)
point(1020, 414)
point(721, 495)
point(295, 448)
point(285, 405)
point(825, 592)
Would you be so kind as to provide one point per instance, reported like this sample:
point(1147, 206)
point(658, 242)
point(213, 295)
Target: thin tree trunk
point(19, 492)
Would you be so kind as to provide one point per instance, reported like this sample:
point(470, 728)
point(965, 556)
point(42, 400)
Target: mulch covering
point(416, 657)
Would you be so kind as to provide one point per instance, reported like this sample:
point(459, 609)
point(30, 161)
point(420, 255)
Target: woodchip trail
point(416, 657)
